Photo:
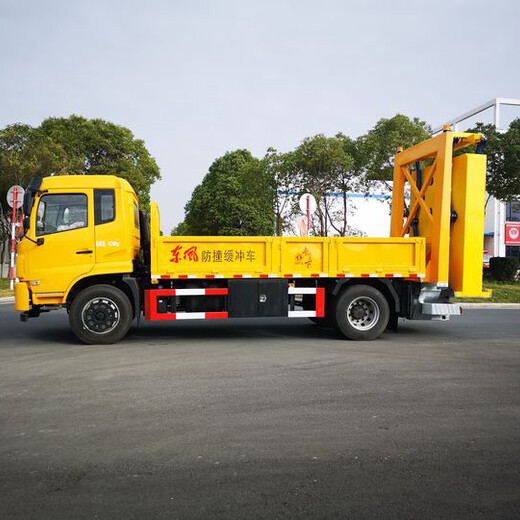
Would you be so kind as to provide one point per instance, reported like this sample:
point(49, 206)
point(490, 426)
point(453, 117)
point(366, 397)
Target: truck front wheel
point(100, 314)
point(361, 312)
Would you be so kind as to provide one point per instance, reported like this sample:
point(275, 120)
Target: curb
point(490, 305)
point(7, 299)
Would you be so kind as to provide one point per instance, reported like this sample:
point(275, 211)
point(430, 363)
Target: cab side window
point(58, 213)
point(104, 206)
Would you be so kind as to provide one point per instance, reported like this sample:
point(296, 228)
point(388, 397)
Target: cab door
point(64, 226)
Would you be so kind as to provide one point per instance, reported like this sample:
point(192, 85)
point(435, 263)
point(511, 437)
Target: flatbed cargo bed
point(283, 257)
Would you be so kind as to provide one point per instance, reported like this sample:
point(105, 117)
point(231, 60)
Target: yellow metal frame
point(430, 202)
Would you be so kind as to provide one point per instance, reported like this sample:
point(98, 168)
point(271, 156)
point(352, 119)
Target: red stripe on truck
point(216, 315)
point(320, 302)
point(214, 292)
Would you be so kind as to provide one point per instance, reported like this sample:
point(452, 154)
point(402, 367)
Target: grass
point(503, 292)
point(4, 288)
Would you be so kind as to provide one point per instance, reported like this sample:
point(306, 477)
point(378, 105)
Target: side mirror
point(40, 241)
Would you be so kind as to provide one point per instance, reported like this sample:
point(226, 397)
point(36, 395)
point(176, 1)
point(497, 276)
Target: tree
point(74, 145)
point(279, 169)
point(322, 165)
point(234, 198)
point(503, 160)
point(25, 152)
point(379, 145)
point(181, 229)
point(98, 147)
point(348, 180)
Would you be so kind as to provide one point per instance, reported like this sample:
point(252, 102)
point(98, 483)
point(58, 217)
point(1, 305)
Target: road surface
point(262, 418)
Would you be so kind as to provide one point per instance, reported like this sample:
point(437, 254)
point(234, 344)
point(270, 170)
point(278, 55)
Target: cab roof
point(85, 181)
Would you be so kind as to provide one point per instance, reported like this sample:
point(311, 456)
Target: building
point(502, 224)
point(502, 228)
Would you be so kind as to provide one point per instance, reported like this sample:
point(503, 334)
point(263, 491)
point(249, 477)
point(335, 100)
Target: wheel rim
point(363, 313)
point(100, 315)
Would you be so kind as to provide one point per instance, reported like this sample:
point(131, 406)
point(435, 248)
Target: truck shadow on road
point(54, 328)
point(256, 330)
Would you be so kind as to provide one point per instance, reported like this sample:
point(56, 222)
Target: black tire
point(361, 313)
point(100, 314)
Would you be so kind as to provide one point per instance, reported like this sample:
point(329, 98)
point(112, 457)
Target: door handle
point(84, 252)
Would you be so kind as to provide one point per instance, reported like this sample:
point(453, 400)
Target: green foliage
point(241, 195)
point(321, 162)
point(5, 288)
point(340, 165)
point(503, 269)
point(75, 145)
point(98, 147)
point(180, 230)
point(503, 160)
point(279, 171)
point(379, 145)
point(322, 165)
point(26, 152)
point(234, 198)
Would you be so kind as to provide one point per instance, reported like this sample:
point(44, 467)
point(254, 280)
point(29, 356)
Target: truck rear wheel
point(361, 312)
point(100, 314)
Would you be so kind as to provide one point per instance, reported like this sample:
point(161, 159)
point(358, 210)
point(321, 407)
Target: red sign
point(190, 254)
point(513, 234)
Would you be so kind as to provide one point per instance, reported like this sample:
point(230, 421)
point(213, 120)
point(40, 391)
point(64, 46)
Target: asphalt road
point(261, 419)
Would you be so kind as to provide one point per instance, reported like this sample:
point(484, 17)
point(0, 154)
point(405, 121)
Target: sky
point(195, 79)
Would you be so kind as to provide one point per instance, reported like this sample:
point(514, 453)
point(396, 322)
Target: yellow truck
point(87, 247)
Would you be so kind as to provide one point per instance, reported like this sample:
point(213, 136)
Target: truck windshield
point(61, 213)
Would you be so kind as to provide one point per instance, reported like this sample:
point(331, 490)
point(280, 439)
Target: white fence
point(4, 259)
point(4, 270)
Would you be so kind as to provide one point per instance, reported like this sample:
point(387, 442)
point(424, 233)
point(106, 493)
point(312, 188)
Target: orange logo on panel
point(304, 258)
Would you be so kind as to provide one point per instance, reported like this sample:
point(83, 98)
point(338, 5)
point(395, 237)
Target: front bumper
point(22, 297)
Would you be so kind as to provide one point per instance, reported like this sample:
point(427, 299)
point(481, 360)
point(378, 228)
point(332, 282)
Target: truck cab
point(77, 229)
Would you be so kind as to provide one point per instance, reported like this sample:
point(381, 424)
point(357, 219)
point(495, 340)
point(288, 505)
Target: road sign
point(11, 196)
point(512, 234)
point(307, 203)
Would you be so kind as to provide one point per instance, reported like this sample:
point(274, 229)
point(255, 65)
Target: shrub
point(503, 269)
